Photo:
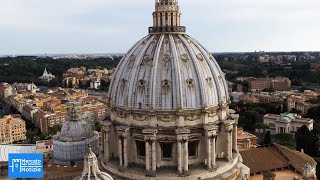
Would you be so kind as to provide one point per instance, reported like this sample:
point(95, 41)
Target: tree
point(248, 119)
point(261, 127)
point(314, 113)
point(296, 111)
point(284, 139)
point(306, 140)
point(54, 129)
point(267, 138)
point(285, 105)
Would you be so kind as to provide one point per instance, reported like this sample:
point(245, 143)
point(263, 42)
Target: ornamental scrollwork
point(192, 117)
point(166, 118)
point(140, 117)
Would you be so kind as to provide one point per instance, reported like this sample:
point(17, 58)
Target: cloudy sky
point(112, 26)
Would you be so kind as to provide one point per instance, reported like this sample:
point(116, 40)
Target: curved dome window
point(190, 82)
point(141, 82)
point(124, 81)
point(165, 83)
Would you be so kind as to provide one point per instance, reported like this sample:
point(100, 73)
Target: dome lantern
point(166, 18)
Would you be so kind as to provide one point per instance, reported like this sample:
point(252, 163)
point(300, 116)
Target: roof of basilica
point(168, 70)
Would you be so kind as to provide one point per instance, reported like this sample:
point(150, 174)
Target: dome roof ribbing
point(168, 70)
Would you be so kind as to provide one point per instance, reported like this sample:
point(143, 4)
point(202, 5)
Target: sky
point(113, 26)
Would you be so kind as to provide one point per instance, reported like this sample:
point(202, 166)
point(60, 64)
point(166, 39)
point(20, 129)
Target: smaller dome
point(79, 129)
point(75, 129)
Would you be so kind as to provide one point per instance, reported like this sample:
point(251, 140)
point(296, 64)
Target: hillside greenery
point(29, 69)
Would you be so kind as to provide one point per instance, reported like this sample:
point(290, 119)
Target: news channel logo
point(25, 166)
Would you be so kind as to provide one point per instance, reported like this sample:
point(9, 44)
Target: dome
point(168, 72)
point(69, 145)
point(169, 112)
point(74, 130)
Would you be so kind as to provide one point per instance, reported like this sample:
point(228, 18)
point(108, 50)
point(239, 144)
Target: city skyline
point(98, 26)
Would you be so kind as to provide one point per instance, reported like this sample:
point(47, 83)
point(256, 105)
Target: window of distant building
point(282, 130)
point(272, 125)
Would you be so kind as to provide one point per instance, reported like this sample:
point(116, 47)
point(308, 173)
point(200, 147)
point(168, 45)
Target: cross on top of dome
point(166, 17)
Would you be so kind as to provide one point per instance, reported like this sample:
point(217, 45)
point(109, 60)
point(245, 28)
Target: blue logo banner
point(25, 166)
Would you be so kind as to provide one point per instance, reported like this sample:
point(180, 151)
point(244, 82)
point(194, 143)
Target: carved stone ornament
point(183, 137)
point(200, 57)
point(122, 131)
point(140, 117)
point(212, 114)
point(146, 60)
point(185, 57)
point(166, 139)
point(122, 114)
point(132, 57)
point(211, 130)
point(166, 118)
point(192, 117)
point(166, 59)
point(228, 127)
point(181, 131)
point(150, 134)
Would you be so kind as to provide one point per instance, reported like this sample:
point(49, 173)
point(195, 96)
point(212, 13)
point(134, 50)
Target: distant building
point(44, 119)
point(281, 83)
point(95, 83)
point(259, 84)
point(246, 140)
point(25, 87)
point(28, 112)
point(300, 102)
point(278, 84)
point(46, 76)
point(286, 123)
point(284, 163)
point(12, 129)
point(6, 90)
point(45, 147)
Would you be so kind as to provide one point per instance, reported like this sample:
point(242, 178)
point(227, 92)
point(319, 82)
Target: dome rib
point(137, 63)
point(213, 69)
point(194, 80)
point(153, 78)
point(176, 66)
point(217, 67)
point(196, 68)
point(125, 75)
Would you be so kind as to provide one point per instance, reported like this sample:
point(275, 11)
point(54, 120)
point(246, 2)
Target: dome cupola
point(166, 18)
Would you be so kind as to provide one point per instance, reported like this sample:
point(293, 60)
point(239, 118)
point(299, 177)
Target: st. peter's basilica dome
point(170, 117)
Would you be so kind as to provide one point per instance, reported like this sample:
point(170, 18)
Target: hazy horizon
point(100, 26)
